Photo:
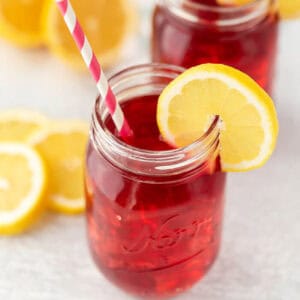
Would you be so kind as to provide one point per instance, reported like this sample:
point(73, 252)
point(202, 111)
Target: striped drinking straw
point(92, 63)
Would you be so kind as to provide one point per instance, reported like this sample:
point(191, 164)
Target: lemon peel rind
point(62, 204)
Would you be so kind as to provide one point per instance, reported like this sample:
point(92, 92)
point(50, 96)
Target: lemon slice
point(20, 21)
point(288, 9)
point(249, 124)
point(62, 145)
point(19, 125)
point(22, 187)
point(106, 24)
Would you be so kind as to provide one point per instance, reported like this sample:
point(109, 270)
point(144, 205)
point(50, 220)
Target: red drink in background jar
point(154, 213)
point(192, 32)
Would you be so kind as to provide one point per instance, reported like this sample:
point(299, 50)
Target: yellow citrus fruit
point(19, 125)
point(249, 126)
point(22, 187)
point(106, 24)
point(20, 22)
point(288, 9)
point(62, 145)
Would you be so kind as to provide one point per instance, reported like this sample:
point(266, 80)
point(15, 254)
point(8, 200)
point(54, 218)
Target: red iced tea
point(154, 217)
point(193, 32)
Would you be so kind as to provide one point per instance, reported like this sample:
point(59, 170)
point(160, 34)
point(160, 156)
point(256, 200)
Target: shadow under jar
point(154, 213)
point(192, 32)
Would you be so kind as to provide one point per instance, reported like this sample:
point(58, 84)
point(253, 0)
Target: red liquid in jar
point(249, 47)
point(151, 236)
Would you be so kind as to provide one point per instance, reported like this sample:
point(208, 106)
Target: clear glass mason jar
point(188, 33)
point(154, 213)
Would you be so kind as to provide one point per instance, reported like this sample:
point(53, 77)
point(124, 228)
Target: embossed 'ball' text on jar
point(154, 213)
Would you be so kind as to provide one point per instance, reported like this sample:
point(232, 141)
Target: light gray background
point(260, 257)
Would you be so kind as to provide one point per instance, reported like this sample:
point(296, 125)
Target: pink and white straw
point(92, 63)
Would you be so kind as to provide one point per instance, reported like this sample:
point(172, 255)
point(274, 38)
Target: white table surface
point(260, 257)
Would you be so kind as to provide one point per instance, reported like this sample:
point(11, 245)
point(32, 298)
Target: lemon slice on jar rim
point(249, 122)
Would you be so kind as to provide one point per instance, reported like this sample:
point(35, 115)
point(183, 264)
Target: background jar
point(188, 33)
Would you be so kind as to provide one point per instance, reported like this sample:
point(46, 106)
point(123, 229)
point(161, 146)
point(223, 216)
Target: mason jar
point(188, 33)
point(154, 213)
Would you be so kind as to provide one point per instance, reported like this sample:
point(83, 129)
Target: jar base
point(163, 283)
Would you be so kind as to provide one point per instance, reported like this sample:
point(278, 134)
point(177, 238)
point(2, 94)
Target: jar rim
point(104, 139)
point(216, 9)
point(222, 16)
